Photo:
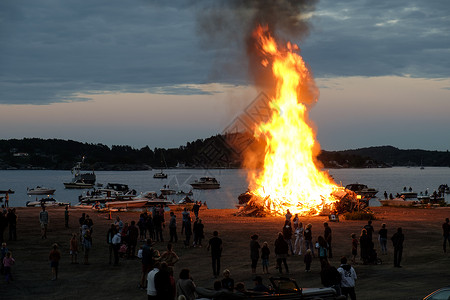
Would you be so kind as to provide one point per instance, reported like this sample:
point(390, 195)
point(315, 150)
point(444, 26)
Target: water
point(233, 182)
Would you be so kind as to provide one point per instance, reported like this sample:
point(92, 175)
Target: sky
point(143, 72)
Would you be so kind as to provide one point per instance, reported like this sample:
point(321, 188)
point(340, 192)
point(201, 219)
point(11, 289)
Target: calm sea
point(233, 182)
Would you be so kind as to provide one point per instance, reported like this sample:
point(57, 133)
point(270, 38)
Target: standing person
point(109, 240)
point(118, 223)
point(188, 233)
point(81, 219)
point(327, 236)
point(446, 233)
point(12, 223)
point(87, 245)
point(157, 224)
point(133, 233)
point(149, 256)
point(382, 236)
point(265, 252)
point(185, 215)
point(198, 232)
point(163, 284)
point(215, 243)
point(288, 215)
point(365, 243)
point(308, 238)
point(196, 208)
point(74, 249)
point(287, 235)
point(281, 252)
point(8, 262)
point(186, 286)
point(348, 279)
point(152, 293)
point(88, 221)
point(173, 228)
point(307, 259)
point(116, 241)
point(354, 248)
point(323, 250)
point(54, 258)
point(43, 219)
point(397, 240)
point(298, 245)
point(254, 252)
point(369, 229)
point(3, 225)
point(295, 221)
point(66, 216)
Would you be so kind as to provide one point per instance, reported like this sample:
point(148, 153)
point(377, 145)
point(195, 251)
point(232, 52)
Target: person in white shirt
point(151, 288)
point(348, 278)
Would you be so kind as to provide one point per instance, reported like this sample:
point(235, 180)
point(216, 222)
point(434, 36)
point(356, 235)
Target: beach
point(425, 266)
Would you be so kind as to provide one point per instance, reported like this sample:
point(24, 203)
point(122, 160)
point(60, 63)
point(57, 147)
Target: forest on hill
point(213, 152)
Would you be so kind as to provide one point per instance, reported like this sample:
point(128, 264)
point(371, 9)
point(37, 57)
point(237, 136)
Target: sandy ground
point(425, 266)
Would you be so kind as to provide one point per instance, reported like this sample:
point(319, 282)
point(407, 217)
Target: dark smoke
point(227, 26)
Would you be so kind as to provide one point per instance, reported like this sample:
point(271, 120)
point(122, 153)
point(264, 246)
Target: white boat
point(39, 190)
point(160, 175)
point(152, 199)
point(81, 180)
point(206, 183)
point(112, 192)
point(46, 202)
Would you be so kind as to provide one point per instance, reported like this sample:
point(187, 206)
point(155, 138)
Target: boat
point(362, 190)
point(126, 204)
point(398, 202)
point(39, 190)
point(167, 191)
point(111, 192)
point(81, 180)
point(186, 200)
point(190, 193)
point(160, 175)
point(45, 202)
point(205, 183)
point(152, 199)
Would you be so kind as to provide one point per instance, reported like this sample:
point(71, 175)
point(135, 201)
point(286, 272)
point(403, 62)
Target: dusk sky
point(143, 72)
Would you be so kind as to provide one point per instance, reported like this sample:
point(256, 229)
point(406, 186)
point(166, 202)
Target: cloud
point(53, 51)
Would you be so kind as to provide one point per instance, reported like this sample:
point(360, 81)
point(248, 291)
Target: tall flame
point(290, 178)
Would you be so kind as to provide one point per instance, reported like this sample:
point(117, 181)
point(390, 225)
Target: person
point(173, 228)
point(54, 258)
point(149, 259)
point(348, 279)
point(196, 208)
point(308, 238)
point(281, 252)
point(3, 225)
point(169, 256)
point(364, 242)
point(162, 283)
point(298, 245)
point(295, 221)
point(188, 233)
point(323, 250)
point(3, 251)
point(446, 233)
point(43, 219)
point(240, 289)
point(354, 248)
point(87, 245)
point(382, 236)
point(330, 277)
point(12, 224)
point(8, 262)
point(397, 241)
point(385, 195)
point(265, 252)
point(66, 217)
point(287, 235)
point(327, 236)
point(118, 223)
point(74, 249)
point(109, 237)
point(152, 293)
point(116, 241)
point(185, 215)
point(254, 252)
point(186, 286)
point(158, 222)
point(288, 216)
point(259, 286)
point(215, 244)
point(88, 221)
point(227, 281)
point(307, 259)
point(132, 237)
point(369, 229)
point(198, 233)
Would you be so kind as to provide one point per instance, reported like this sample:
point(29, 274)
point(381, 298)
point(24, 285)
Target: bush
point(361, 215)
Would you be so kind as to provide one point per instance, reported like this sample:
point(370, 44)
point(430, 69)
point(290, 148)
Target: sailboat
point(161, 175)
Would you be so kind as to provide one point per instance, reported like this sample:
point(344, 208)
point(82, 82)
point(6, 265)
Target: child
point(3, 252)
point(74, 248)
point(265, 251)
point(8, 261)
point(308, 259)
point(354, 248)
point(54, 258)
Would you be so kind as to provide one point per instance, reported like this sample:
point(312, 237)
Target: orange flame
point(290, 178)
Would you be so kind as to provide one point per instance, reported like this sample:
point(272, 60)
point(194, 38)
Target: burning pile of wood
point(251, 205)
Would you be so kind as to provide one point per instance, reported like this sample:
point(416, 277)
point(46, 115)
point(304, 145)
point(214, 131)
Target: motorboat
point(398, 202)
point(81, 180)
point(205, 183)
point(126, 204)
point(167, 191)
point(111, 192)
point(190, 193)
point(47, 202)
point(362, 190)
point(160, 175)
point(152, 199)
point(39, 190)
